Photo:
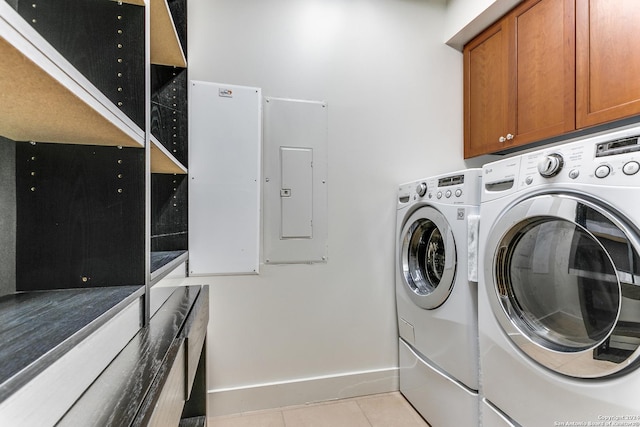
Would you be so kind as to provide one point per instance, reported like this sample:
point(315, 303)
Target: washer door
point(566, 288)
point(427, 257)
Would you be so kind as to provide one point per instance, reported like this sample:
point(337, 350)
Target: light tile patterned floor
point(380, 410)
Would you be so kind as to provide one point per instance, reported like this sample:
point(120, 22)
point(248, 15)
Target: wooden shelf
point(162, 161)
point(45, 102)
point(166, 48)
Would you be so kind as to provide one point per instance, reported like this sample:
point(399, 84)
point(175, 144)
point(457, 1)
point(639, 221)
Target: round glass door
point(565, 274)
point(427, 258)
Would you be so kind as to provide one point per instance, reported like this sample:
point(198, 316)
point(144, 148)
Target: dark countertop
point(37, 328)
point(126, 392)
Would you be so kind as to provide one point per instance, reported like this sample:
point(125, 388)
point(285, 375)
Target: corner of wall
point(467, 18)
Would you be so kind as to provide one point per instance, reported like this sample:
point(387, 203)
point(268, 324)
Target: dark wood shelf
point(164, 262)
point(193, 422)
point(46, 334)
point(38, 327)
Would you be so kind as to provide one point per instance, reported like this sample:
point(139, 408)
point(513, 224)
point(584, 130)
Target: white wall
point(394, 92)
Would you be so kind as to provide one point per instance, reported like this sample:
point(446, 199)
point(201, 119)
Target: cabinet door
point(520, 78)
point(543, 70)
point(608, 60)
point(486, 95)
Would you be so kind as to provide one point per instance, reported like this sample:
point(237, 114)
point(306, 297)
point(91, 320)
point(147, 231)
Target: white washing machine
point(436, 225)
point(559, 285)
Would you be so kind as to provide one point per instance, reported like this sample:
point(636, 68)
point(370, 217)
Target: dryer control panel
point(457, 188)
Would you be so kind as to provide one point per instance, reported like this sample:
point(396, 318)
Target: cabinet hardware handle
point(509, 136)
point(502, 139)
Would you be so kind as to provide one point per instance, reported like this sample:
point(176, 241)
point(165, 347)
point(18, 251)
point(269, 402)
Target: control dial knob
point(421, 189)
point(550, 165)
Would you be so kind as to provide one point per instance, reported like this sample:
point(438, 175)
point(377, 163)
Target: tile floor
point(379, 410)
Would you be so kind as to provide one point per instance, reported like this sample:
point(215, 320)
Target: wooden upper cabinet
point(519, 78)
point(607, 61)
point(544, 86)
point(486, 90)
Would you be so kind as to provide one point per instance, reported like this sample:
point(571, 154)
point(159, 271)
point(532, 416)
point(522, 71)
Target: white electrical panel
point(225, 128)
point(295, 181)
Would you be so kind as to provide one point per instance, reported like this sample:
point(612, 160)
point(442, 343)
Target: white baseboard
point(300, 392)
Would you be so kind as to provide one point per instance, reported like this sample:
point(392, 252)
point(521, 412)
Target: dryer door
point(566, 284)
point(427, 257)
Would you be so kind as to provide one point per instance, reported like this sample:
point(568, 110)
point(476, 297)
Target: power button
point(603, 171)
point(631, 168)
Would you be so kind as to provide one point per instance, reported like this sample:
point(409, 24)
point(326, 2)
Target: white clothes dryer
point(559, 284)
point(436, 225)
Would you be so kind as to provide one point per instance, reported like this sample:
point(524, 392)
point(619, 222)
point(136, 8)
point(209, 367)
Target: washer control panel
point(591, 161)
